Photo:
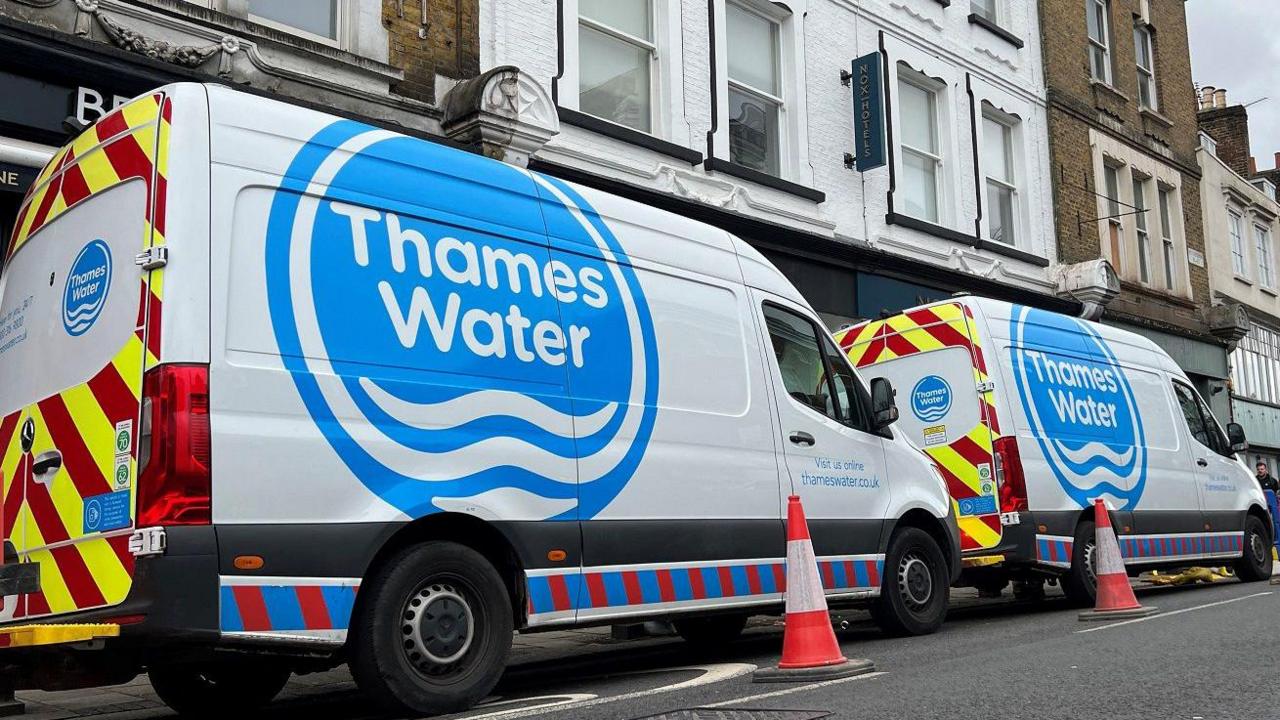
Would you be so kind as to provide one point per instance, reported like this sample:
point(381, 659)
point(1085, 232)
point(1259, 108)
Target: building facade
point(1241, 223)
point(741, 113)
point(69, 62)
point(1123, 138)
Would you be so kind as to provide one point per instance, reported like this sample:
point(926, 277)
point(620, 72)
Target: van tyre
point(433, 630)
point(1255, 564)
point(1080, 584)
point(218, 690)
point(914, 592)
point(711, 633)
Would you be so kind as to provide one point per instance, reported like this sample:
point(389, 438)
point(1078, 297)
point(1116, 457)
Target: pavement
point(1209, 653)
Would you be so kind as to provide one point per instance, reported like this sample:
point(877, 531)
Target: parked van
point(254, 359)
point(1031, 415)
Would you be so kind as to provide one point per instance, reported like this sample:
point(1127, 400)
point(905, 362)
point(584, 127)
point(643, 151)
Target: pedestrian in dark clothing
point(1266, 479)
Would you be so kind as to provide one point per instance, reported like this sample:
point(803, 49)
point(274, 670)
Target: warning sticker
point(935, 435)
point(982, 505)
point(124, 455)
point(109, 511)
point(984, 477)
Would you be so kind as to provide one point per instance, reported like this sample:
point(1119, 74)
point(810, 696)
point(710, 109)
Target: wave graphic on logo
point(1080, 407)
point(433, 428)
point(87, 286)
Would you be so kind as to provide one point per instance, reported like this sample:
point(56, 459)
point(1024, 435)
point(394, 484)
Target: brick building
point(68, 62)
point(1123, 137)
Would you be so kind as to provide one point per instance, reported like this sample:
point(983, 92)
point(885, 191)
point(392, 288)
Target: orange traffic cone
point(1115, 597)
point(809, 647)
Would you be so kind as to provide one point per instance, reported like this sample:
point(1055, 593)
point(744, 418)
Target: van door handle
point(46, 464)
point(800, 437)
point(1202, 462)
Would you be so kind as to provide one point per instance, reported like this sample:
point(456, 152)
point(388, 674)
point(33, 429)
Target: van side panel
point(69, 459)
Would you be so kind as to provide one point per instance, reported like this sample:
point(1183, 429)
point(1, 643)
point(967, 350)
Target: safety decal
point(1138, 549)
point(557, 594)
point(1080, 407)
point(1054, 550)
point(76, 524)
point(455, 386)
point(958, 452)
point(286, 605)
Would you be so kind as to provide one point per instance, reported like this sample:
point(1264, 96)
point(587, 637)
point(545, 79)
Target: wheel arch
point(1259, 512)
point(932, 526)
point(470, 531)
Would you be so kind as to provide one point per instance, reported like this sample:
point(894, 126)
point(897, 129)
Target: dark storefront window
point(879, 296)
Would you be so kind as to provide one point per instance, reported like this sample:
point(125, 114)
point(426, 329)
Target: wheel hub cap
point(915, 582)
point(1258, 547)
point(437, 626)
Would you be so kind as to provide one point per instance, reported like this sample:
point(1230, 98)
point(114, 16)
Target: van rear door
point(73, 342)
point(933, 356)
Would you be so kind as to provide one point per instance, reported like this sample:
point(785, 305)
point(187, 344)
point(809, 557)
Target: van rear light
point(174, 481)
point(1013, 485)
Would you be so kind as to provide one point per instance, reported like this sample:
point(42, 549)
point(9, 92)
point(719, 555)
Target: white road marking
point(710, 674)
point(548, 702)
point(794, 689)
point(1173, 612)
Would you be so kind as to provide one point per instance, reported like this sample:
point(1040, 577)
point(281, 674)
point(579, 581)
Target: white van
point(1032, 415)
point(255, 358)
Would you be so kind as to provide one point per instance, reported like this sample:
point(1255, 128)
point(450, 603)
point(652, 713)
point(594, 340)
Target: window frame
point(1235, 242)
point(1104, 43)
point(339, 25)
point(1264, 250)
point(1142, 230)
point(1144, 38)
point(1218, 442)
point(650, 47)
point(777, 101)
point(1115, 238)
point(1008, 137)
point(936, 157)
point(997, 11)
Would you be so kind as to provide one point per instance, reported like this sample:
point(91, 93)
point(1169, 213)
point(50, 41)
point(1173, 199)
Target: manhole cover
point(715, 714)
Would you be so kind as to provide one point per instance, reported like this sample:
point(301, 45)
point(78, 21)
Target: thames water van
point(281, 390)
point(1031, 415)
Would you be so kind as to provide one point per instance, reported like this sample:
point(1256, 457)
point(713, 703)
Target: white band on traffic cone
point(804, 587)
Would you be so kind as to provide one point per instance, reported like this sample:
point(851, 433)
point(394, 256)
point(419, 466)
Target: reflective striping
point(809, 595)
point(1056, 550)
point(282, 605)
point(925, 330)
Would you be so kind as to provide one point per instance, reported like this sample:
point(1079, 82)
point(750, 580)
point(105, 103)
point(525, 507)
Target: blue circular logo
point(442, 347)
point(88, 283)
point(931, 398)
point(92, 514)
point(1080, 407)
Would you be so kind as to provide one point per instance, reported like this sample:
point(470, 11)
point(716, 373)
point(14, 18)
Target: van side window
point(850, 394)
point(809, 375)
point(1200, 419)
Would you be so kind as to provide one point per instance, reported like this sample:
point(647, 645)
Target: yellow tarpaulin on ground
point(1189, 576)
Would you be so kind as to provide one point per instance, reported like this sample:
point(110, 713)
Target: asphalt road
point(1212, 652)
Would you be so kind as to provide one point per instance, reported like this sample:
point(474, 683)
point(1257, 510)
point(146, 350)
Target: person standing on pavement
point(1265, 478)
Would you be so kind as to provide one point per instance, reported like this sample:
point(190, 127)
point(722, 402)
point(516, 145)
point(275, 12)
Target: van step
point(50, 634)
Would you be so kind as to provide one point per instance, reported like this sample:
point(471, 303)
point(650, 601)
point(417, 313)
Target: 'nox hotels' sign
point(868, 112)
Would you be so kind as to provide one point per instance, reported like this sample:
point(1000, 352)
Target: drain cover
point(716, 714)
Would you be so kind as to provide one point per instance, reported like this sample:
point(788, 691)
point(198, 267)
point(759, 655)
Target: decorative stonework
point(504, 113)
point(1093, 283)
point(1229, 322)
point(135, 42)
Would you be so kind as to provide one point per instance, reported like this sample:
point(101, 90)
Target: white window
point(1144, 50)
point(1168, 248)
point(986, 9)
point(1002, 181)
point(1255, 365)
point(316, 18)
point(1235, 230)
point(1099, 20)
point(1266, 272)
point(1115, 229)
point(1144, 235)
point(755, 89)
point(616, 57)
point(921, 145)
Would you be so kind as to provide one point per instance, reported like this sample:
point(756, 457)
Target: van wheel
point(1255, 565)
point(1080, 584)
point(914, 593)
point(711, 633)
point(218, 690)
point(433, 631)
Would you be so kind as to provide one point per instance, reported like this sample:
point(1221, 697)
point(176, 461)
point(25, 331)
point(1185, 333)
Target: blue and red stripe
point(284, 608)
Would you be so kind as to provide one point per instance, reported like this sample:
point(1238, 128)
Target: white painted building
point(738, 107)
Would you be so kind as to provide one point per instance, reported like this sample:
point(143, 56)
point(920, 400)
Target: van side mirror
point(884, 410)
point(1235, 435)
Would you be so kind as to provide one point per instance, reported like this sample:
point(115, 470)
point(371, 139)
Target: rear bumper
point(173, 599)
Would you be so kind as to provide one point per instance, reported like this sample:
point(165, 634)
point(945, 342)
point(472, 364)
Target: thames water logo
point(931, 398)
point(451, 357)
point(86, 290)
point(1080, 407)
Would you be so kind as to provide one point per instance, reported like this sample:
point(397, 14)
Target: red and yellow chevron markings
point(45, 521)
point(962, 458)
